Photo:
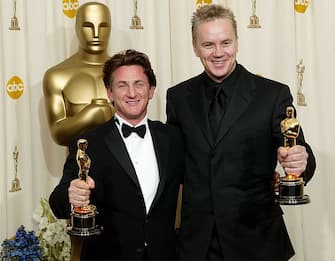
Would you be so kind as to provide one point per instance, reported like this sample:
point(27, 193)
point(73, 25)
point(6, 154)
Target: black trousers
point(215, 251)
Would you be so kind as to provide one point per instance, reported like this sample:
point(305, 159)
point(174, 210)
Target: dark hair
point(128, 57)
point(211, 12)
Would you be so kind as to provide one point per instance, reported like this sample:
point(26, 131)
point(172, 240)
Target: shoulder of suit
point(164, 127)
point(155, 123)
point(187, 82)
point(259, 79)
point(269, 82)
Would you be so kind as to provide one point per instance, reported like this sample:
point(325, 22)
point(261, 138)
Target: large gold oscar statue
point(74, 92)
point(75, 95)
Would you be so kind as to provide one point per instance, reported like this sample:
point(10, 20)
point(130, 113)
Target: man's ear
point(195, 49)
point(109, 94)
point(152, 91)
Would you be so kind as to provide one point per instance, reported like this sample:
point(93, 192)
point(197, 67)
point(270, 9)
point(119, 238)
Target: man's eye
point(139, 84)
point(227, 43)
point(207, 46)
point(122, 85)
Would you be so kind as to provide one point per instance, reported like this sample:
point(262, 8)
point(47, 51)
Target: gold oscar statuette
point(136, 20)
point(300, 76)
point(15, 182)
point(83, 217)
point(14, 22)
point(291, 187)
point(254, 20)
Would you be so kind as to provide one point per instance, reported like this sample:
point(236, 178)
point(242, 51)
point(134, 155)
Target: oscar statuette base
point(254, 22)
point(83, 222)
point(291, 191)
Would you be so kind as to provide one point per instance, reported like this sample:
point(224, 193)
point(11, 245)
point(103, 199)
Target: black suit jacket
point(228, 181)
point(118, 197)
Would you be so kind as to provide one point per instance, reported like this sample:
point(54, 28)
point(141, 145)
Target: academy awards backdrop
point(292, 41)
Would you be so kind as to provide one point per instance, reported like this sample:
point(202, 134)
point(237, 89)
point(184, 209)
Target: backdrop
point(292, 32)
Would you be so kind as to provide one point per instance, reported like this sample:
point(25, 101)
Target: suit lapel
point(117, 147)
point(198, 105)
point(161, 145)
point(244, 91)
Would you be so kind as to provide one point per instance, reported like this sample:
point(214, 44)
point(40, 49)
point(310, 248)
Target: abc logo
point(15, 87)
point(70, 8)
point(301, 5)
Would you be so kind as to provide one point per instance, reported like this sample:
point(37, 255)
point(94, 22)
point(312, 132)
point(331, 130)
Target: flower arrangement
point(24, 246)
point(50, 242)
point(52, 234)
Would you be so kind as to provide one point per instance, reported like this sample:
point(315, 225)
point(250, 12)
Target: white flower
point(54, 240)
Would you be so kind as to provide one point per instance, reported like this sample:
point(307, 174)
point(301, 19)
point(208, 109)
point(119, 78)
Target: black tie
point(216, 111)
point(127, 130)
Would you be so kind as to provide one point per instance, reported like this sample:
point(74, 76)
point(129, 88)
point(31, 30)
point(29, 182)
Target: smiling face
point(93, 25)
point(130, 92)
point(216, 45)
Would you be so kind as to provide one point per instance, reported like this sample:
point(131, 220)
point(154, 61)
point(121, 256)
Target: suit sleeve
point(59, 198)
point(170, 111)
point(311, 165)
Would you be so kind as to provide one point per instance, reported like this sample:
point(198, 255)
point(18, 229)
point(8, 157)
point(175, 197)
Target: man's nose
point(219, 50)
point(131, 91)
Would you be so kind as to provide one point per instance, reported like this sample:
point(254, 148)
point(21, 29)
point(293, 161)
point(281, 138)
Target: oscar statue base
point(254, 22)
point(83, 222)
point(291, 191)
point(294, 201)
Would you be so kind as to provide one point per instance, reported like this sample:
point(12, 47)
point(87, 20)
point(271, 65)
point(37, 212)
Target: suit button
point(146, 221)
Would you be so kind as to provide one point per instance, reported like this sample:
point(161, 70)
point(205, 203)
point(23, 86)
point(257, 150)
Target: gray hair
point(207, 13)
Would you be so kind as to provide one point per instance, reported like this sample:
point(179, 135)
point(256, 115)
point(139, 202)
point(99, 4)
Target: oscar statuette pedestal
point(254, 20)
point(83, 218)
point(291, 187)
point(291, 191)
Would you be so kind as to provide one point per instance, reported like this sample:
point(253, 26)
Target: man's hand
point(79, 191)
point(293, 160)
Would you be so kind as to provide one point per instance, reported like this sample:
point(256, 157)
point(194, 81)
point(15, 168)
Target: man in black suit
point(228, 209)
point(133, 178)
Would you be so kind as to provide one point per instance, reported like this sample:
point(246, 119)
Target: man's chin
point(218, 77)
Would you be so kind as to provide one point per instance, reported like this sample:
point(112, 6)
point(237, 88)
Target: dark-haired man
point(134, 177)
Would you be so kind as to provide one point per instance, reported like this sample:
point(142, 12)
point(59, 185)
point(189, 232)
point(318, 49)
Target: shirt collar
point(120, 120)
point(227, 84)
